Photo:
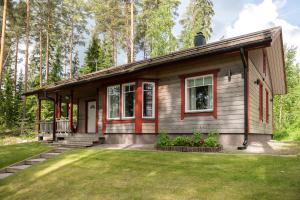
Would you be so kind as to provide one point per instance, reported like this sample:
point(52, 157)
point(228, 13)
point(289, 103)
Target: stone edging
point(190, 149)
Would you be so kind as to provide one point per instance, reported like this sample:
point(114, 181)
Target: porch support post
point(59, 108)
point(97, 110)
point(54, 119)
point(71, 110)
point(39, 114)
point(138, 107)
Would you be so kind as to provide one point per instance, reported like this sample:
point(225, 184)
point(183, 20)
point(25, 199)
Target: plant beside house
point(195, 143)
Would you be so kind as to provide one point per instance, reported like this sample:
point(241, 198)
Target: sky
point(236, 17)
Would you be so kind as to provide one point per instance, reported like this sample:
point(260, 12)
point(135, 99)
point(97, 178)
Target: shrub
point(182, 141)
point(197, 139)
point(280, 134)
point(163, 139)
point(211, 140)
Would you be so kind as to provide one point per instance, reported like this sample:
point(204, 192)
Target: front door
point(91, 117)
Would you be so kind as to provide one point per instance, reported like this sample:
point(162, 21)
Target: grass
point(128, 174)
point(10, 154)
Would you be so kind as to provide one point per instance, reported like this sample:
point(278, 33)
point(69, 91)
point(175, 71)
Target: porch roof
point(248, 41)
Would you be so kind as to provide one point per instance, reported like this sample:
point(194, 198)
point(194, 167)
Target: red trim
point(86, 113)
point(104, 110)
point(97, 111)
point(121, 101)
point(120, 121)
point(71, 111)
point(77, 116)
point(267, 106)
point(261, 115)
point(39, 114)
point(156, 106)
point(138, 107)
point(213, 113)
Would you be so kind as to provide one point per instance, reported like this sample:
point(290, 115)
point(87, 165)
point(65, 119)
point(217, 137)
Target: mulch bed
point(190, 149)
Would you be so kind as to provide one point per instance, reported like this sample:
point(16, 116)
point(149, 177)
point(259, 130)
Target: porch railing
point(46, 127)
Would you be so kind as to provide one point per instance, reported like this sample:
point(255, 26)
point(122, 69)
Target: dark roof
point(251, 40)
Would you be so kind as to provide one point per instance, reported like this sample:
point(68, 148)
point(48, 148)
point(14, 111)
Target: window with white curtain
point(199, 94)
point(113, 102)
point(148, 99)
point(128, 99)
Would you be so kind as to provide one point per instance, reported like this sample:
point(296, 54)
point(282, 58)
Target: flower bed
point(190, 149)
point(195, 143)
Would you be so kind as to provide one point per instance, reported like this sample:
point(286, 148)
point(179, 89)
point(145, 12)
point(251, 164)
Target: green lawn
point(13, 153)
point(129, 174)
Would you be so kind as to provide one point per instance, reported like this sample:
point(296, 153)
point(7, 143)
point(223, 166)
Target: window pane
point(200, 98)
point(148, 94)
point(208, 80)
point(129, 98)
point(199, 82)
point(191, 83)
point(114, 102)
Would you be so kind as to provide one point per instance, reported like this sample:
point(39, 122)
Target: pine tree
point(56, 71)
point(155, 23)
point(18, 100)
point(91, 60)
point(197, 18)
point(8, 109)
point(76, 64)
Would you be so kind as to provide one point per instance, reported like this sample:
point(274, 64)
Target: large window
point(128, 100)
point(199, 94)
point(148, 99)
point(113, 102)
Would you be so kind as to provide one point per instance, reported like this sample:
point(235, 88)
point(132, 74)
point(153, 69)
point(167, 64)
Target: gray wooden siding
point(120, 128)
point(148, 127)
point(257, 126)
point(230, 103)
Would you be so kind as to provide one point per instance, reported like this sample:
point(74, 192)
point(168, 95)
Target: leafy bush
point(211, 140)
point(197, 139)
point(280, 134)
point(163, 139)
point(182, 141)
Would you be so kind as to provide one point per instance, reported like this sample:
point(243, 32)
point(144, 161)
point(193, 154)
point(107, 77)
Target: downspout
point(246, 131)
point(54, 115)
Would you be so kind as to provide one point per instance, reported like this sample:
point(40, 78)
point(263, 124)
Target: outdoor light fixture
point(257, 81)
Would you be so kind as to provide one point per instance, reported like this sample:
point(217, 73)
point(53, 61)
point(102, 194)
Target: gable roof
point(248, 41)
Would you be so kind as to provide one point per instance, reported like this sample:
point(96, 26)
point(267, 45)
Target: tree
point(76, 63)
point(56, 72)
point(91, 60)
point(155, 23)
point(287, 108)
point(197, 18)
point(8, 99)
point(3, 39)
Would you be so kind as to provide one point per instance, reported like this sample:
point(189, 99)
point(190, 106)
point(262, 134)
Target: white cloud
point(255, 17)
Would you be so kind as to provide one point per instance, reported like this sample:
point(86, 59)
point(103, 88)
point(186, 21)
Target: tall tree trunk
point(132, 32)
point(71, 49)
point(16, 62)
point(115, 52)
point(47, 56)
point(65, 63)
point(3, 41)
point(41, 60)
point(26, 59)
point(127, 34)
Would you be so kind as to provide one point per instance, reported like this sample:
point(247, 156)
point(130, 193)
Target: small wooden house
point(226, 86)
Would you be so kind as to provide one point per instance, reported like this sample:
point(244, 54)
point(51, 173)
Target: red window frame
point(267, 106)
point(261, 113)
point(213, 113)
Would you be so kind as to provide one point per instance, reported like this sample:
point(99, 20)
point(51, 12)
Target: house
point(227, 86)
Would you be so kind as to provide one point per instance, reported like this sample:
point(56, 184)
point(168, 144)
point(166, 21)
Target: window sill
point(202, 113)
point(120, 121)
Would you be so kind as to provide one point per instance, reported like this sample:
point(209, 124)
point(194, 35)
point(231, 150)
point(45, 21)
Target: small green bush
point(182, 141)
point(211, 140)
point(163, 139)
point(197, 139)
point(280, 134)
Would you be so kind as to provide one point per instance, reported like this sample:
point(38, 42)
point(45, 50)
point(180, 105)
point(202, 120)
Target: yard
point(10, 154)
point(135, 174)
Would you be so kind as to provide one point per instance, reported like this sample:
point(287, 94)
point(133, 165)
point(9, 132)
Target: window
point(113, 102)
point(261, 101)
point(199, 94)
point(267, 106)
point(148, 99)
point(128, 100)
